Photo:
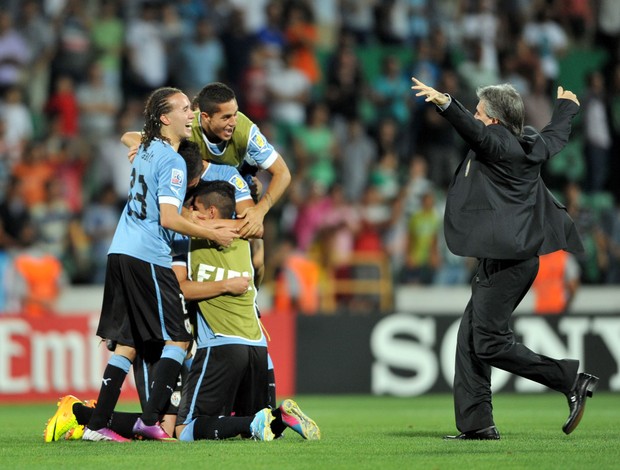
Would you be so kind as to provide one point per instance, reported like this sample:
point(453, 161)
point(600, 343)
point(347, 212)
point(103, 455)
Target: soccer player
point(229, 370)
point(142, 298)
point(227, 136)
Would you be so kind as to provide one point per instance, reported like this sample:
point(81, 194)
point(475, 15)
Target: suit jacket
point(497, 204)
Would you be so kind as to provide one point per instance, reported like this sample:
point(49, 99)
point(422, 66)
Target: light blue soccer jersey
point(157, 176)
point(217, 172)
point(259, 151)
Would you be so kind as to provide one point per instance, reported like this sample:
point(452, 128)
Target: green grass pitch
point(358, 432)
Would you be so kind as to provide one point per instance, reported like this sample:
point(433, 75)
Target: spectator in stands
point(439, 144)
point(297, 280)
point(271, 36)
point(18, 123)
point(358, 154)
point(75, 49)
point(593, 261)
point(345, 84)
point(613, 246)
point(422, 243)
point(33, 173)
point(12, 288)
point(14, 213)
point(42, 274)
point(108, 36)
point(40, 35)
point(358, 17)
point(200, 59)
point(556, 283)
point(255, 94)
point(315, 146)
point(147, 66)
point(390, 92)
point(99, 221)
point(63, 109)
point(537, 102)
point(52, 217)
point(289, 93)
point(597, 133)
point(301, 36)
point(15, 53)
point(544, 33)
point(98, 104)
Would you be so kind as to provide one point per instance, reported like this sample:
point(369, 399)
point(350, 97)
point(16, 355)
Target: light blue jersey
point(157, 177)
point(258, 151)
point(217, 172)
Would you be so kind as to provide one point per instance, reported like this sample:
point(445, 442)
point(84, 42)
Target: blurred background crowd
point(328, 83)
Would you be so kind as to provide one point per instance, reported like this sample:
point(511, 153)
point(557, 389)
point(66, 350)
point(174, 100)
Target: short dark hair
point(504, 103)
point(190, 151)
point(220, 194)
point(212, 96)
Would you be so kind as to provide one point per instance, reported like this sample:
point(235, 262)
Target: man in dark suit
point(499, 211)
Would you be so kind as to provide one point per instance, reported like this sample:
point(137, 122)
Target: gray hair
point(503, 102)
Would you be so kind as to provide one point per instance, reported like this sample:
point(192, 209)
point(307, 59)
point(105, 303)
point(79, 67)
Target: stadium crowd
point(328, 82)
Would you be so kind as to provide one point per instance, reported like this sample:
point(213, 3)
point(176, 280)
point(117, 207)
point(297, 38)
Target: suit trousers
point(486, 340)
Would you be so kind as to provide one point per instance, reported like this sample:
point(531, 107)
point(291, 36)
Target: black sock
point(122, 423)
point(271, 379)
point(82, 413)
point(277, 425)
point(113, 378)
point(206, 427)
point(164, 380)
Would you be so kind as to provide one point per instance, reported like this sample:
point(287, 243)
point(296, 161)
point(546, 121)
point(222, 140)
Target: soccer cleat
point(153, 433)
point(295, 419)
point(260, 426)
point(62, 421)
point(103, 434)
point(76, 433)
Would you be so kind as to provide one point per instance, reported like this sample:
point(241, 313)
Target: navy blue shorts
point(142, 302)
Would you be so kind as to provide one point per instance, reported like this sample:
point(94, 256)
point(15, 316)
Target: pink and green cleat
point(295, 419)
point(152, 433)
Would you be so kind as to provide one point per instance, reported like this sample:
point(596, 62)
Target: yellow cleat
point(76, 433)
point(63, 420)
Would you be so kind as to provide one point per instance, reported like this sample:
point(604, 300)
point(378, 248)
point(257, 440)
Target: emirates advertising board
point(44, 359)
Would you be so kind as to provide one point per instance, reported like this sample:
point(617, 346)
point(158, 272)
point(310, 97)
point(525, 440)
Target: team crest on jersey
point(175, 398)
point(177, 177)
point(237, 182)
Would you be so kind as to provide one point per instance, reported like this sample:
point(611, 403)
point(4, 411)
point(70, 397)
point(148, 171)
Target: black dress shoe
point(584, 386)
point(486, 434)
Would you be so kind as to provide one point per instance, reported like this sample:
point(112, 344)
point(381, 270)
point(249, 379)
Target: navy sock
point(277, 425)
point(122, 423)
point(82, 413)
point(164, 380)
point(271, 379)
point(206, 427)
point(113, 378)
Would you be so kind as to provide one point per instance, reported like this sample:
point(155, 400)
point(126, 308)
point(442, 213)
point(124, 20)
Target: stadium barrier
point(407, 352)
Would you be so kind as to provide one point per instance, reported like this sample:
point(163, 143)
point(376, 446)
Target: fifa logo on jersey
point(212, 273)
point(259, 140)
point(237, 182)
